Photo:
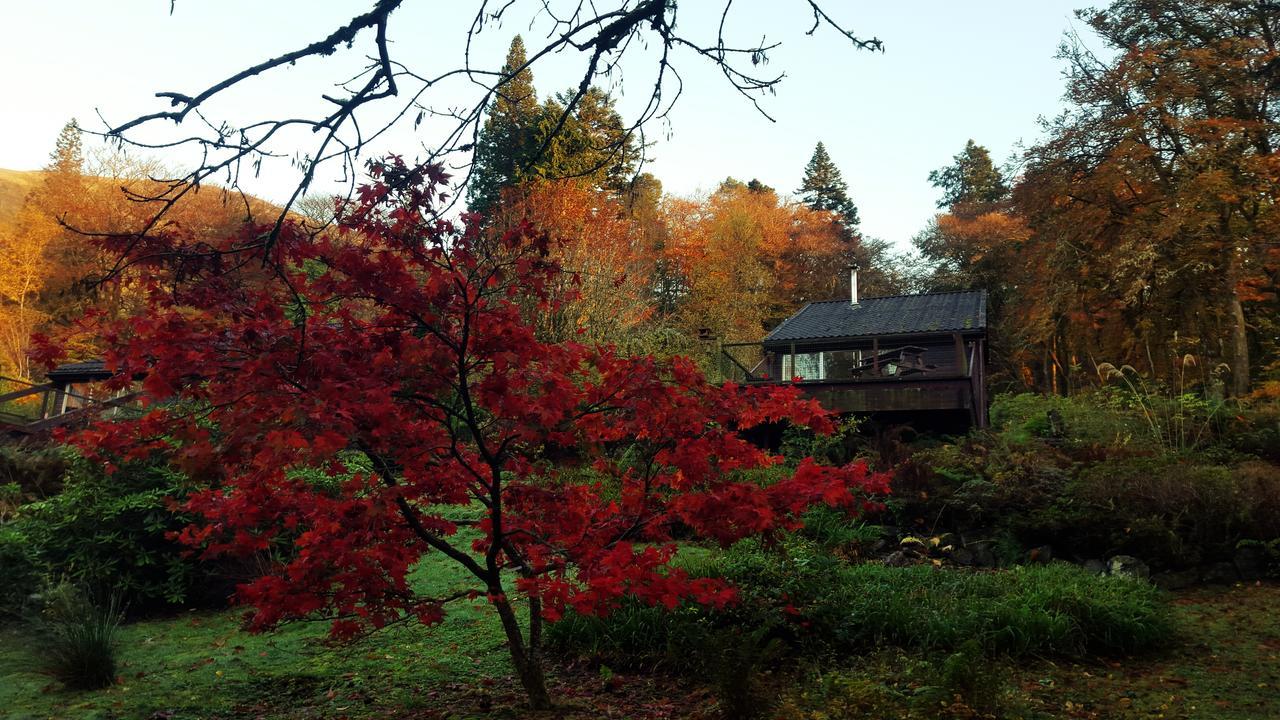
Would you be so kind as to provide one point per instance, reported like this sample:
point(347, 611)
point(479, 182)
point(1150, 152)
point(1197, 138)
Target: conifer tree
point(592, 145)
point(68, 150)
point(824, 189)
point(970, 178)
point(505, 146)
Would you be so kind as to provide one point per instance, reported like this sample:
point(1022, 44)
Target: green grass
point(201, 665)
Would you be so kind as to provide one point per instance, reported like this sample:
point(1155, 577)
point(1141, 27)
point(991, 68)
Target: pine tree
point(505, 147)
point(970, 178)
point(824, 189)
point(68, 151)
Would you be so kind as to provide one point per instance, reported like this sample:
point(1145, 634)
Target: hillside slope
point(14, 186)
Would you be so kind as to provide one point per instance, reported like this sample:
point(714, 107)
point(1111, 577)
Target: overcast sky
point(950, 71)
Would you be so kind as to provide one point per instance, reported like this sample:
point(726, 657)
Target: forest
point(462, 444)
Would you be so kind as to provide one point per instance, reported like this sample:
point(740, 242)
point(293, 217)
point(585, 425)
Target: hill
point(14, 186)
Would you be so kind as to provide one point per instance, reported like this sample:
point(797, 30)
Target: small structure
point(69, 395)
point(899, 354)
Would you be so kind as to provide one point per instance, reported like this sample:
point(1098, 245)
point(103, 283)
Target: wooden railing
point(55, 406)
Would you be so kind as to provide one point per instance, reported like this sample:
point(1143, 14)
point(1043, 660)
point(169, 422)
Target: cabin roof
point(930, 313)
point(86, 371)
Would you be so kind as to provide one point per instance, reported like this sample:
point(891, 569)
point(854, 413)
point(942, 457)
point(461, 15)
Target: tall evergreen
point(970, 178)
point(824, 189)
point(593, 144)
point(68, 151)
point(505, 147)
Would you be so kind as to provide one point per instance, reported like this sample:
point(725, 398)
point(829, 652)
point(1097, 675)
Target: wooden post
point(981, 369)
point(962, 363)
point(793, 363)
point(59, 399)
point(875, 356)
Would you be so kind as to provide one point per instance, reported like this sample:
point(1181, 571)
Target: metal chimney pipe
point(853, 283)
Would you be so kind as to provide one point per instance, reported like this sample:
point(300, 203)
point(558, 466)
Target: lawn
point(199, 665)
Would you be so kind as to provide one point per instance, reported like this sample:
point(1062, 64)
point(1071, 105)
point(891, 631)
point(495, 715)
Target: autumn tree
point(396, 360)
point(1157, 189)
point(746, 259)
point(23, 270)
point(604, 284)
point(823, 188)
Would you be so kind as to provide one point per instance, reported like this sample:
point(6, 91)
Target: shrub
point(1176, 513)
point(817, 605)
point(1037, 609)
point(37, 471)
point(19, 571)
point(1094, 419)
point(80, 637)
point(108, 534)
point(835, 530)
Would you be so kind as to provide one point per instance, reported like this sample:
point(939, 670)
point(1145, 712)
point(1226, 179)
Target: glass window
point(807, 366)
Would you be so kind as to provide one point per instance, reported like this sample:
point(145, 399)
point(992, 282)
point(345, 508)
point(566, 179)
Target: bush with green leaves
point(1086, 476)
point(110, 534)
point(818, 605)
point(20, 571)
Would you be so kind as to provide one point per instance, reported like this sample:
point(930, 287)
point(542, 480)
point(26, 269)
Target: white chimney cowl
point(853, 284)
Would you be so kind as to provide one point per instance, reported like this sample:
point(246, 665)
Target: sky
point(950, 71)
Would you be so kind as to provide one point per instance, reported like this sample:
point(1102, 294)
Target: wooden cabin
point(904, 355)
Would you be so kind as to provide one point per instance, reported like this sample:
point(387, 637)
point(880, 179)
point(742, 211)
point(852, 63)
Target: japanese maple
point(397, 355)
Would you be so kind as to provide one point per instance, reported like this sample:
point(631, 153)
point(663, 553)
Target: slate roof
point(896, 315)
point(81, 371)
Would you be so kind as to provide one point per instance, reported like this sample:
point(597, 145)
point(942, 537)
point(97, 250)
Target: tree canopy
point(970, 178)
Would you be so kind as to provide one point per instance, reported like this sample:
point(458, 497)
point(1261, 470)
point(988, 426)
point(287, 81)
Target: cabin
point(904, 356)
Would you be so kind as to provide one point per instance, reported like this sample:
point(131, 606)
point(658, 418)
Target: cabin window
point(822, 365)
point(807, 366)
point(841, 364)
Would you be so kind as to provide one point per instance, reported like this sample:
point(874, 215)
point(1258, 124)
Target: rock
point(882, 546)
point(1128, 566)
point(1177, 580)
point(1042, 554)
point(897, 559)
point(1096, 567)
point(983, 557)
point(1220, 573)
point(962, 556)
point(1250, 562)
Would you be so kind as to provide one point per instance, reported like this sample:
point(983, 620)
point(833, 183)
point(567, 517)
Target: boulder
point(1096, 567)
point(897, 559)
point(1128, 566)
point(1220, 573)
point(1250, 562)
point(982, 556)
point(1176, 580)
point(962, 556)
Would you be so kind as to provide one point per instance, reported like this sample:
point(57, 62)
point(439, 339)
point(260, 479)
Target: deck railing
point(57, 405)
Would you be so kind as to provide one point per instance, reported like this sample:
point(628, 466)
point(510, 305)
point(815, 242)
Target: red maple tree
point(397, 355)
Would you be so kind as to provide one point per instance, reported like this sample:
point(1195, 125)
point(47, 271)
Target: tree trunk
point(527, 660)
point(1239, 349)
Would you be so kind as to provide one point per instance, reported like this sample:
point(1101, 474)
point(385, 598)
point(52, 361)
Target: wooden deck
point(898, 380)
